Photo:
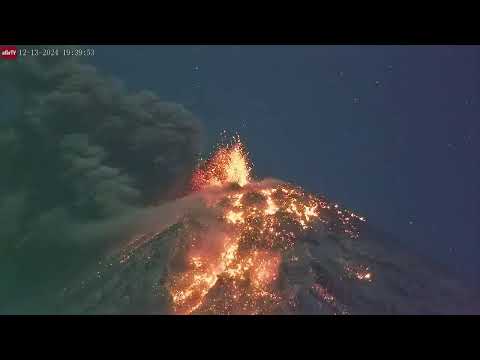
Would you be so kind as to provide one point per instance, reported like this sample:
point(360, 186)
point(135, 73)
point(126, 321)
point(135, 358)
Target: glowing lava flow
point(263, 220)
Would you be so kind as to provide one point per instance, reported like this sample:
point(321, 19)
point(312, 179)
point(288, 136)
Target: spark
point(228, 165)
point(264, 223)
point(235, 217)
point(359, 272)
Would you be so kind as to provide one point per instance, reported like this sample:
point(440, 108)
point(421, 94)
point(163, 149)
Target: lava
point(263, 220)
point(229, 164)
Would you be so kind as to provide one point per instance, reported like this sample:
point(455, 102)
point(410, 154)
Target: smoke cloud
point(83, 160)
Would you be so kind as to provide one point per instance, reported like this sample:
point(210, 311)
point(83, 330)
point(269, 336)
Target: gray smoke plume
point(81, 159)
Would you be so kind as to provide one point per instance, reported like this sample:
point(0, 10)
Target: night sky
point(391, 132)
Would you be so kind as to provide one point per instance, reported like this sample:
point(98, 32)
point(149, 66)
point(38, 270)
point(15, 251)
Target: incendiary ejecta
point(263, 221)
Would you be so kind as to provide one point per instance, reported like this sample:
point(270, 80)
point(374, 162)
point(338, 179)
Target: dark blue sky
point(392, 132)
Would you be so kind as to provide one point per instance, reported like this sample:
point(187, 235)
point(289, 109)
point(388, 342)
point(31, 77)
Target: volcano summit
point(241, 246)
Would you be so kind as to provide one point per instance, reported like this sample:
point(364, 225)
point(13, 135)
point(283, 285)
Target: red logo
point(8, 52)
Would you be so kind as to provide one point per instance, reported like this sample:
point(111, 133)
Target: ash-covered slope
point(400, 281)
point(130, 282)
point(243, 246)
point(326, 271)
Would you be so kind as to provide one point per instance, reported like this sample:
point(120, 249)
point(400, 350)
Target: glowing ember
point(359, 272)
point(235, 217)
point(263, 221)
point(228, 165)
point(189, 288)
point(366, 276)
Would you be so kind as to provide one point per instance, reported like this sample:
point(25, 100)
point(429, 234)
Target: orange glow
point(189, 288)
point(265, 269)
point(263, 222)
point(271, 207)
point(229, 164)
point(235, 217)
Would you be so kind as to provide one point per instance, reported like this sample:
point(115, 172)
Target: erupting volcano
point(263, 222)
point(236, 245)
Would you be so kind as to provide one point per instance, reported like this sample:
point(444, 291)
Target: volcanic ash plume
point(82, 158)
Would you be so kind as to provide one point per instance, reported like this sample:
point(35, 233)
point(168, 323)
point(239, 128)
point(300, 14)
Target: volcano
point(243, 246)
